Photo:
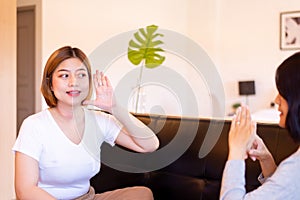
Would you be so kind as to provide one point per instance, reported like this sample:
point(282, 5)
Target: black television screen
point(246, 87)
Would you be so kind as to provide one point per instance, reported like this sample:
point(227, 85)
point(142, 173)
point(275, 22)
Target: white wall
point(87, 24)
point(241, 37)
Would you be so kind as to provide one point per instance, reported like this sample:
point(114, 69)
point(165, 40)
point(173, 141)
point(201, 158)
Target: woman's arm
point(26, 178)
point(135, 135)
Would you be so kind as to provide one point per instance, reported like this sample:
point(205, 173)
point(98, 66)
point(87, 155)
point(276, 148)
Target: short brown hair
point(54, 60)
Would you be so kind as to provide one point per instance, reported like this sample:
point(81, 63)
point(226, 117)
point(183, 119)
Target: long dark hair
point(288, 86)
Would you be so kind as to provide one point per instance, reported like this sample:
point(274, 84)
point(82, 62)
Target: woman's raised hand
point(104, 93)
point(241, 135)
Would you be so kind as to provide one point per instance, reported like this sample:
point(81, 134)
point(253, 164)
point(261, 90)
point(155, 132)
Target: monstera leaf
point(146, 47)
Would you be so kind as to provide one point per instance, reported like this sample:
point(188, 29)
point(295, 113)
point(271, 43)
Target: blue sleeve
point(283, 184)
point(233, 181)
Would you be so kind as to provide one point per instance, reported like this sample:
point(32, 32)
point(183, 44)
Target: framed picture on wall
point(290, 30)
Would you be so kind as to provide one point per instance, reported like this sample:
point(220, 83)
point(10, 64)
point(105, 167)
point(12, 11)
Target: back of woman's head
point(288, 85)
point(53, 62)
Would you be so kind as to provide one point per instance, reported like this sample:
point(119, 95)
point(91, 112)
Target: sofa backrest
point(181, 139)
point(211, 166)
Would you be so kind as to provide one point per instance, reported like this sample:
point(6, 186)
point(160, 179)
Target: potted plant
point(144, 51)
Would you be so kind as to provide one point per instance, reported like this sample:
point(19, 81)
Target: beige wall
point(241, 37)
point(7, 95)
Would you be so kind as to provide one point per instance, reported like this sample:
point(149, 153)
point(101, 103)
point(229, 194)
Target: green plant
point(236, 105)
point(144, 50)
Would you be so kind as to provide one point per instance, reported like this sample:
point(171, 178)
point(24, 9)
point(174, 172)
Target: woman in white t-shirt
point(58, 149)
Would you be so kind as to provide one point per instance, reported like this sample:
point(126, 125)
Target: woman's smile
point(73, 93)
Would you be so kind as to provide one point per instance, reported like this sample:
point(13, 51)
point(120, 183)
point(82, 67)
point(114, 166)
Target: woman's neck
point(68, 112)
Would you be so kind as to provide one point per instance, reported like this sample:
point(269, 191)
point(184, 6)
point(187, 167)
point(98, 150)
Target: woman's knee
point(143, 192)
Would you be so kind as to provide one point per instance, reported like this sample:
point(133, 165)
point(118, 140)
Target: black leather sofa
point(190, 176)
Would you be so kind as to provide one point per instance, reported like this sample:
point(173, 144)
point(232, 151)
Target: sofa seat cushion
point(172, 186)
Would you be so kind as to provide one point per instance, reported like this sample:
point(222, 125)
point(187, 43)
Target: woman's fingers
point(243, 116)
point(238, 116)
point(233, 124)
point(107, 81)
point(103, 79)
point(242, 133)
point(100, 79)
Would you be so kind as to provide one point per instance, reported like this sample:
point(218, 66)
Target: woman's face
point(282, 108)
point(70, 82)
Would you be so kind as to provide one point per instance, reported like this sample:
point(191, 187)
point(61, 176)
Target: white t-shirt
point(65, 168)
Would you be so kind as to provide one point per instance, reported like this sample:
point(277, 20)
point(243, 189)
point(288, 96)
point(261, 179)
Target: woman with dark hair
point(280, 182)
point(58, 149)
